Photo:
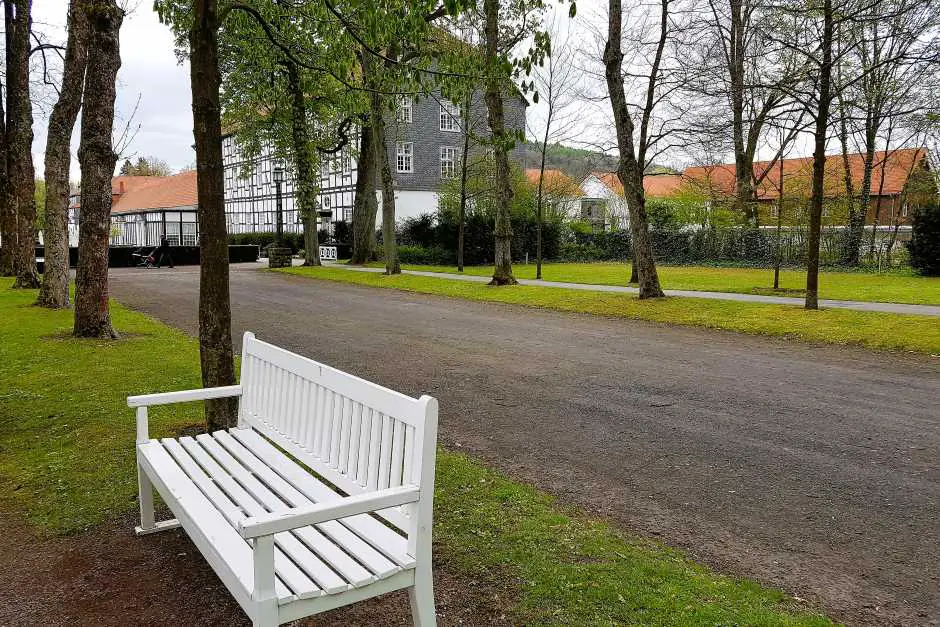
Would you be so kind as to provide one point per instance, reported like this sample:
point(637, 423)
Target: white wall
point(593, 187)
point(410, 204)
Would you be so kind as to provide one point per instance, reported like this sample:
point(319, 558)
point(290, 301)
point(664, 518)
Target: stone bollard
point(278, 257)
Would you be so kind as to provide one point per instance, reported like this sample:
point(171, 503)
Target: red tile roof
point(140, 193)
point(897, 167)
point(555, 182)
point(132, 194)
point(655, 185)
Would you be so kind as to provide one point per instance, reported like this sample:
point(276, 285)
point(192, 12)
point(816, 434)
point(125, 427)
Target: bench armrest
point(185, 396)
point(276, 522)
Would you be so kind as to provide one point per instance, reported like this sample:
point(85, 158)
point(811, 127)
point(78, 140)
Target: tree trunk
point(6, 215)
point(819, 160)
point(629, 169)
point(54, 292)
point(743, 167)
point(853, 234)
point(365, 205)
point(215, 312)
point(303, 166)
point(21, 193)
point(380, 141)
point(538, 198)
point(502, 253)
point(97, 159)
point(464, 158)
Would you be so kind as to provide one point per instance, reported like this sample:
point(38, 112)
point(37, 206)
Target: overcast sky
point(149, 71)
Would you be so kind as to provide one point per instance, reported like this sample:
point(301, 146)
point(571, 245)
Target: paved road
point(811, 468)
point(857, 305)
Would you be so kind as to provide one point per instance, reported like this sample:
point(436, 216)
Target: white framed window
point(825, 212)
point(347, 163)
point(450, 116)
point(904, 210)
point(448, 162)
point(405, 152)
point(774, 210)
point(405, 109)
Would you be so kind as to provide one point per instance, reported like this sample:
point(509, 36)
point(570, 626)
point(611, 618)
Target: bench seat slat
point(330, 552)
point(287, 550)
point(385, 540)
point(306, 560)
point(212, 534)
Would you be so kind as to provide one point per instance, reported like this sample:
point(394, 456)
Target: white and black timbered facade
point(426, 151)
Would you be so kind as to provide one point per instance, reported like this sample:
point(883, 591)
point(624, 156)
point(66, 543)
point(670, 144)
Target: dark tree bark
point(819, 158)
point(54, 292)
point(365, 205)
point(6, 215)
point(631, 164)
point(493, 96)
point(380, 139)
point(464, 165)
point(215, 312)
point(303, 166)
point(21, 181)
point(97, 159)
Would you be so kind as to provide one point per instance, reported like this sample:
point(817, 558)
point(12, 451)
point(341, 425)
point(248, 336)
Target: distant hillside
point(576, 162)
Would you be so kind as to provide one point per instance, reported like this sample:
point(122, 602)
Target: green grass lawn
point(894, 287)
point(67, 463)
point(834, 326)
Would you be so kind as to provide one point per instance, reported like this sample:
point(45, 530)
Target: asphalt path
point(810, 468)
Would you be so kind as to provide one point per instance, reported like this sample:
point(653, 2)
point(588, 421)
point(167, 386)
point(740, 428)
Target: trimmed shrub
point(924, 247)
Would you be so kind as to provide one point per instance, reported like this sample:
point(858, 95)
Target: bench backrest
point(357, 435)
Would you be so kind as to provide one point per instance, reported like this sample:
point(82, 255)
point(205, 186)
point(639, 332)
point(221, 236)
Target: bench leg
point(147, 523)
point(421, 596)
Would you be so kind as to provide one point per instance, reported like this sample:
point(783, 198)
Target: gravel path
point(813, 468)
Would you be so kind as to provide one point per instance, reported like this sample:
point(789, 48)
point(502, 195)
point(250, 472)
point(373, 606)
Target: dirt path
point(812, 468)
point(109, 576)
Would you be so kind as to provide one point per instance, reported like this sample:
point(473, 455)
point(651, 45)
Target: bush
point(420, 255)
point(435, 238)
point(924, 247)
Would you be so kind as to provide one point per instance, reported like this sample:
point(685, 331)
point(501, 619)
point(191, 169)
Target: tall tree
point(21, 187)
point(6, 212)
point(97, 159)
point(303, 164)
point(55, 279)
point(891, 65)
point(820, 130)
point(753, 76)
point(555, 82)
point(496, 83)
point(215, 309)
point(633, 153)
point(365, 205)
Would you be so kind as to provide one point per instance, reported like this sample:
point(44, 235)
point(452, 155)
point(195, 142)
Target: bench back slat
point(357, 435)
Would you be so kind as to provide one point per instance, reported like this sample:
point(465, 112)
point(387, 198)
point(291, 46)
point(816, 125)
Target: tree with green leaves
point(197, 24)
point(145, 166)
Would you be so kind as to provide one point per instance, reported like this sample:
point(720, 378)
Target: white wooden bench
point(285, 541)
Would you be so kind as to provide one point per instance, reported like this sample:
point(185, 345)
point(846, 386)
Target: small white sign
point(328, 253)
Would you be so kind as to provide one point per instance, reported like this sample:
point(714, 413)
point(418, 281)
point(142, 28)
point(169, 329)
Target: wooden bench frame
point(381, 493)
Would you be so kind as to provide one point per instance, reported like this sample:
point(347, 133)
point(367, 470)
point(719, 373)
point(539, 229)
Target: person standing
point(164, 252)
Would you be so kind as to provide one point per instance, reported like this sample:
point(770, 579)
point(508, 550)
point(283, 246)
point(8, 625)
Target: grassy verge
point(66, 462)
point(895, 287)
point(833, 326)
